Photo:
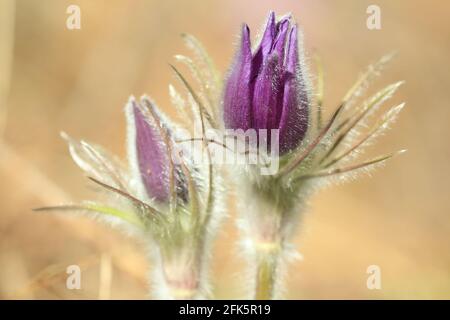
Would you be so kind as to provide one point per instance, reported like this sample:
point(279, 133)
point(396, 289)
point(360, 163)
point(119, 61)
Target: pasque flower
point(266, 88)
point(269, 89)
point(158, 173)
point(173, 203)
point(158, 198)
point(152, 157)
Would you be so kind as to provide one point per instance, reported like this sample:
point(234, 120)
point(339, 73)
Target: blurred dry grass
point(52, 78)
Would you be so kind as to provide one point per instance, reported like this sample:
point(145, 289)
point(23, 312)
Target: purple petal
point(280, 40)
point(268, 36)
point(152, 156)
point(294, 119)
point(265, 45)
point(292, 51)
point(267, 93)
point(237, 102)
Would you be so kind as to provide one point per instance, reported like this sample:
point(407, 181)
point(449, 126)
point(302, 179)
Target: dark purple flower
point(152, 152)
point(266, 89)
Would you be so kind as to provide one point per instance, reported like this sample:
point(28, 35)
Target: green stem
point(183, 270)
point(266, 276)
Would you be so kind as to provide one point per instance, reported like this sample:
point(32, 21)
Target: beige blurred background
point(53, 79)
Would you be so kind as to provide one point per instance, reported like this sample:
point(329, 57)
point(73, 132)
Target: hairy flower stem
point(181, 271)
point(183, 286)
point(266, 274)
point(267, 224)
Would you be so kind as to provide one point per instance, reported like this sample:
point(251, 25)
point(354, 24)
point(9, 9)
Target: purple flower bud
point(266, 89)
point(150, 153)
